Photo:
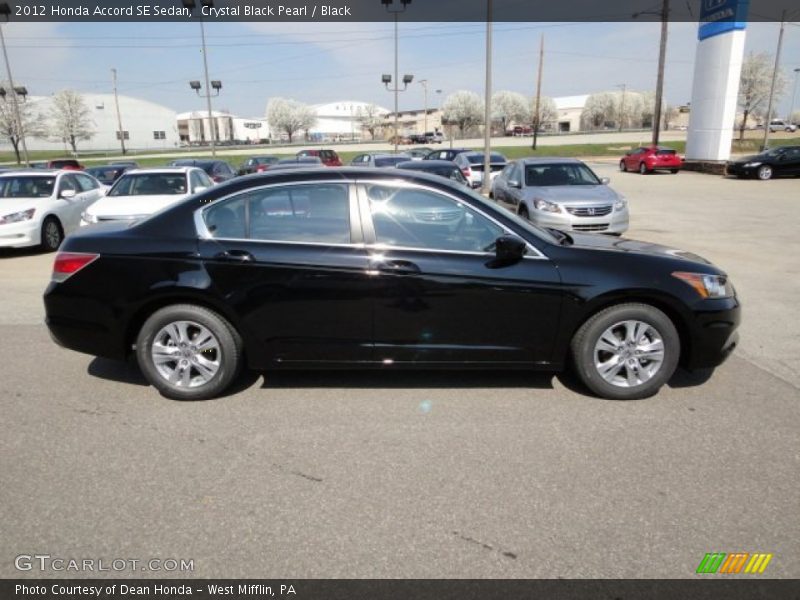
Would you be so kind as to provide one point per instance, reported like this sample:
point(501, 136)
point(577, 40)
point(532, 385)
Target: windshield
point(150, 184)
point(559, 174)
point(477, 159)
point(26, 187)
point(389, 161)
point(775, 152)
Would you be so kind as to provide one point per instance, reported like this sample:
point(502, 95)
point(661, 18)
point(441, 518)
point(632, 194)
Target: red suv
point(69, 164)
point(328, 157)
point(651, 158)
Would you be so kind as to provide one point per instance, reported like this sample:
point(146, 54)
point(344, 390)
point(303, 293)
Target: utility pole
point(774, 78)
point(662, 54)
point(424, 84)
point(487, 114)
point(119, 116)
point(211, 122)
point(794, 96)
point(15, 101)
point(537, 114)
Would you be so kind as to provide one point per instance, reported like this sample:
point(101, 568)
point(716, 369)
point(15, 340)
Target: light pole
point(774, 79)
point(794, 95)
point(119, 116)
point(5, 10)
point(662, 54)
point(388, 4)
point(487, 105)
point(424, 84)
point(191, 5)
point(623, 87)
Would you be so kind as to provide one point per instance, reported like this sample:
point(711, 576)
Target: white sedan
point(141, 192)
point(40, 208)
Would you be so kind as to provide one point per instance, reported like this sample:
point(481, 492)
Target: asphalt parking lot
point(313, 475)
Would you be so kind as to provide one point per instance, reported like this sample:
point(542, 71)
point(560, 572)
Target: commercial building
point(194, 128)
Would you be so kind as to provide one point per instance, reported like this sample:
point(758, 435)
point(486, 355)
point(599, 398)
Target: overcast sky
point(318, 63)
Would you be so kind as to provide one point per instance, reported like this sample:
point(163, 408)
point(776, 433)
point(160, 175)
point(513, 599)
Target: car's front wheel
point(52, 234)
point(622, 166)
point(626, 352)
point(188, 352)
point(643, 169)
point(764, 172)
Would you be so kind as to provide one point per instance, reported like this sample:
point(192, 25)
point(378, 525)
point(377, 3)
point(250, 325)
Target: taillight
point(216, 179)
point(466, 171)
point(67, 264)
point(261, 168)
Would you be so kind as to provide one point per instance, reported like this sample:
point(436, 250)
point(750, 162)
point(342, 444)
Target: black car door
point(791, 161)
point(440, 296)
point(290, 260)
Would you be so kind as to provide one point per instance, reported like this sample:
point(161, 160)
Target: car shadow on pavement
point(407, 379)
point(20, 252)
point(116, 370)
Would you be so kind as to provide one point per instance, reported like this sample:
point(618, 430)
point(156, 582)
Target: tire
point(764, 172)
point(523, 212)
point(616, 324)
point(52, 234)
point(623, 167)
point(674, 171)
point(643, 169)
point(172, 326)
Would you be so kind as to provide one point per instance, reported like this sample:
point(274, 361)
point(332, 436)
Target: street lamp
point(424, 84)
point(216, 85)
point(389, 5)
point(794, 95)
point(5, 11)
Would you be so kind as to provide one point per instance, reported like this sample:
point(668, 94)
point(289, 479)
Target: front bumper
point(740, 170)
point(20, 235)
point(615, 222)
point(714, 334)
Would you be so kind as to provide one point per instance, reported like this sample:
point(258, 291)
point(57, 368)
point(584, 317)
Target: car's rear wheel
point(52, 234)
point(764, 172)
point(643, 169)
point(523, 212)
point(626, 352)
point(673, 171)
point(622, 166)
point(188, 352)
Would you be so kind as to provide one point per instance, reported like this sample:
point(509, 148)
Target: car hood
point(606, 242)
point(125, 206)
point(573, 194)
point(12, 205)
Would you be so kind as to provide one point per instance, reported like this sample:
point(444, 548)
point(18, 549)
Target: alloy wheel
point(629, 353)
point(186, 354)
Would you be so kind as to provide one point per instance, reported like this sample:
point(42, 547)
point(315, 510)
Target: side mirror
point(67, 194)
point(514, 183)
point(509, 249)
point(605, 180)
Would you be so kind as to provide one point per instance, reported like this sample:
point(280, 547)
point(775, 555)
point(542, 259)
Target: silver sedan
point(561, 193)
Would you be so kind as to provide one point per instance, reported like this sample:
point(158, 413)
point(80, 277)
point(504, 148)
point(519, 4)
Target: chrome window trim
point(205, 234)
point(403, 183)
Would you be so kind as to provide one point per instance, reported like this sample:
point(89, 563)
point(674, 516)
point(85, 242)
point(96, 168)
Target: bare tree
point(8, 122)
point(669, 115)
point(624, 109)
point(290, 116)
point(795, 117)
point(370, 118)
point(463, 109)
point(70, 119)
point(600, 108)
point(548, 113)
point(510, 107)
point(754, 86)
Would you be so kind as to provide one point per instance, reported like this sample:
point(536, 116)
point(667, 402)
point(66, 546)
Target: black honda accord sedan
point(352, 268)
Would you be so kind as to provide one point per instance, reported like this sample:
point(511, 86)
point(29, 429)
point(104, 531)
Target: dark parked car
point(107, 174)
point(443, 168)
point(328, 157)
point(379, 160)
point(257, 164)
point(387, 269)
point(777, 162)
point(303, 162)
point(446, 154)
point(218, 170)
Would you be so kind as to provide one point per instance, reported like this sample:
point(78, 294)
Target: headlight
point(88, 217)
point(752, 164)
point(546, 206)
point(620, 204)
point(708, 286)
point(23, 215)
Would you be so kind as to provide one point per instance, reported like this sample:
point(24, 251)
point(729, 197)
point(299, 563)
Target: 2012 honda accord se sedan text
point(380, 268)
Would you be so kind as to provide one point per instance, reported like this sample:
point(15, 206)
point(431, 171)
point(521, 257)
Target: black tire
point(585, 342)
point(674, 171)
point(643, 169)
point(228, 353)
point(52, 234)
point(523, 212)
point(622, 166)
point(764, 172)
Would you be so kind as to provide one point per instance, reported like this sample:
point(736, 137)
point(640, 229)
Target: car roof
point(35, 172)
point(423, 165)
point(159, 170)
point(549, 160)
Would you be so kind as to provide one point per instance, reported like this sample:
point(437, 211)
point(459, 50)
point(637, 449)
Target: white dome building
point(340, 120)
point(146, 125)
